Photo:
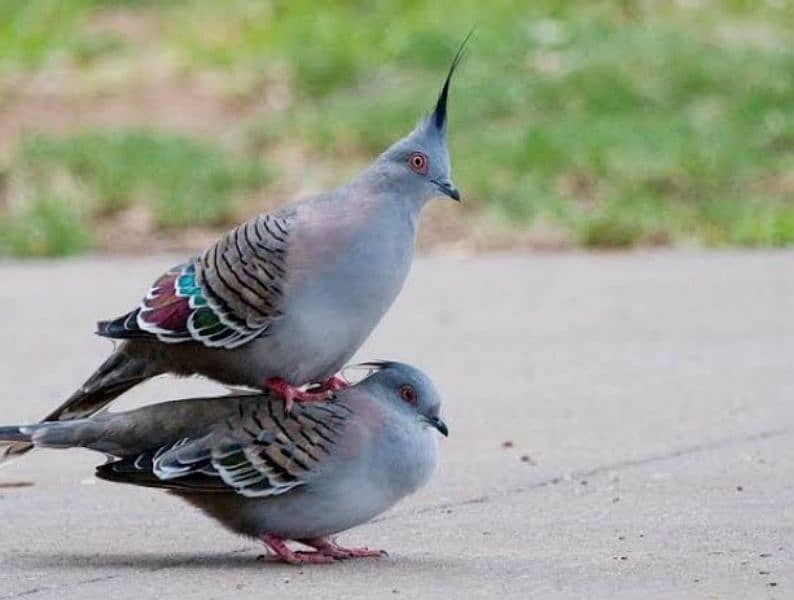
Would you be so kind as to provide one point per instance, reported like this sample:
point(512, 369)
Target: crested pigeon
point(270, 474)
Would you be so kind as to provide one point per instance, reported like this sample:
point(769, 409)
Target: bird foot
point(329, 547)
point(334, 384)
point(326, 551)
point(283, 553)
point(292, 394)
point(318, 393)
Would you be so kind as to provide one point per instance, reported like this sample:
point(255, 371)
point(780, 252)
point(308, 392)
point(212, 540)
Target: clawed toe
point(310, 396)
point(311, 558)
point(330, 548)
point(325, 551)
point(283, 553)
point(343, 553)
point(298, 558)
point(335, 383)
point(292, 394)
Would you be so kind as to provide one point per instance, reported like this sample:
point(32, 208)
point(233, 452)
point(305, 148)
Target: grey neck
point(388, 184)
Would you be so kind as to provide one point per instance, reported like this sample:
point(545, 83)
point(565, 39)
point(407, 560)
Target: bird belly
point(303, 516)
point(328, 314)
point(330, 319)
point(386, 470)
point(317, 344)
point(357, 487)
point(308, 347)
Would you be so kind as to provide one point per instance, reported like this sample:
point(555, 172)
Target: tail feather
point(13, 443)
point(53, 434)
point(15, 440)
point(84, 433)
point(13, 434)
point(116, 375)
point(124, 327)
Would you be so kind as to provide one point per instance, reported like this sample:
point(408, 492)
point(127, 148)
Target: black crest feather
point(440, 113)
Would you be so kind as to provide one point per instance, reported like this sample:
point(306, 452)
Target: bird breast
point(341, 284)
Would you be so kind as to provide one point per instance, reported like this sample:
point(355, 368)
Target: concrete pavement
point(622, 426)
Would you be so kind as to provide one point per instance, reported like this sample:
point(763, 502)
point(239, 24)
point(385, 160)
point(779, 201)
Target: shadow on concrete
point(248, 558)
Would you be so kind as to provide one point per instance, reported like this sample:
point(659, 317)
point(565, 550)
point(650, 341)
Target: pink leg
point(283, 552)
point(329, 547)
point(333, 384)
point(291, 394)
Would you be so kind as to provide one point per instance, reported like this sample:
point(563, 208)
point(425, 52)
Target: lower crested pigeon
point(263, 472)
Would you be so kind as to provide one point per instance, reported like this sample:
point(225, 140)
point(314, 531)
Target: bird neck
point(380, 183)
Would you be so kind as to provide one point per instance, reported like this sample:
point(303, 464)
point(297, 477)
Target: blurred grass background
point(135, 125)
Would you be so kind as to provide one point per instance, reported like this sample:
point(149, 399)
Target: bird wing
point(223, 298)
point(261, 452)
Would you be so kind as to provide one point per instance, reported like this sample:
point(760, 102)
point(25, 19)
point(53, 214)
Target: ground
point(621, 426)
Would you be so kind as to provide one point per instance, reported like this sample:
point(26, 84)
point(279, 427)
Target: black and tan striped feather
point(259, 452)
point(242, 275)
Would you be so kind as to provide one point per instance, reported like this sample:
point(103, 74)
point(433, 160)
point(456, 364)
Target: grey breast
point(342, 282)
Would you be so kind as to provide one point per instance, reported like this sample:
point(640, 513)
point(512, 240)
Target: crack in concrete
point(598, 470)
point(73, 584)
point(573, 476)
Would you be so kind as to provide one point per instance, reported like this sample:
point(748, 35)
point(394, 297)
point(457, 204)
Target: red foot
point(333, 384)
point(329, 547)
point(283, 552)
point(326, 551)
point(291, 394)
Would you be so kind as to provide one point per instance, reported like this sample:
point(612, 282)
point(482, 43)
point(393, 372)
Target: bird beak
point(438, 424)
point(448, 189)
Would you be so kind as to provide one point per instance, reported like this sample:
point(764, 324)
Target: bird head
point(407, 389)
point(420, 160)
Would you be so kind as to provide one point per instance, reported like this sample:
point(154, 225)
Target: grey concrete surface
point(651, 396)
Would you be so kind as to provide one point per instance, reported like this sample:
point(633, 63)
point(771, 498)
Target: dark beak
point(448, 189)
point(437, 423)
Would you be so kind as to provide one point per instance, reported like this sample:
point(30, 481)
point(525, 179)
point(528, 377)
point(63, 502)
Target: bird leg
point(332, 384)
point(292, 394)
point(329, 547)
point(284, 553)
point(318, 393)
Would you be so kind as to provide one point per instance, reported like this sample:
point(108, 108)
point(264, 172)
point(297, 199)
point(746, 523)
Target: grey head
point(418, 165)
point(407, 389)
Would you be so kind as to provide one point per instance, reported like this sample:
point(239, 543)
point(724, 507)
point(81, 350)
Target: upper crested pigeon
point(287, 298)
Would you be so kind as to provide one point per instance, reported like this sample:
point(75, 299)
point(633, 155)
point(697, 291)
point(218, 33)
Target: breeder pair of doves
point(279, 304)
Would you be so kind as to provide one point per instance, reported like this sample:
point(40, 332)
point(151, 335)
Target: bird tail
point(116, 375)
point(13, 434)
point(52, 434)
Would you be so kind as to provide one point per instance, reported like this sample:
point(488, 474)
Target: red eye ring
point(407, 393)
point(418, 163)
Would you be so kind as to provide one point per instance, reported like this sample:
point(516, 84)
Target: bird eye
point(407, 393)
point(418, 163)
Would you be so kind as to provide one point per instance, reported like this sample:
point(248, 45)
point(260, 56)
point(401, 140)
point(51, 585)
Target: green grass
point(186, 182)
point(46, 227)
point(32, 32)
point(621, 123)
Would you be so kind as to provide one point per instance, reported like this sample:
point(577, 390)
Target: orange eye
point(418, 163)
point(407, 393)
